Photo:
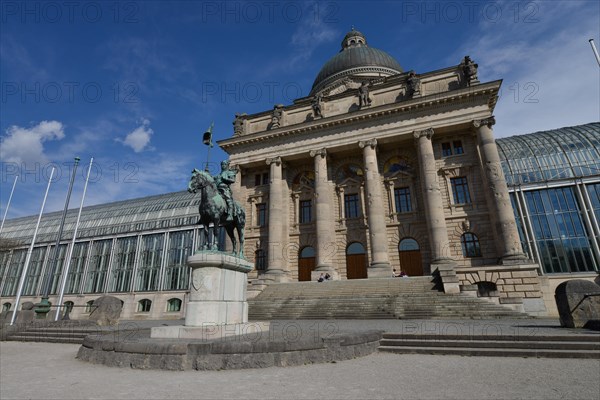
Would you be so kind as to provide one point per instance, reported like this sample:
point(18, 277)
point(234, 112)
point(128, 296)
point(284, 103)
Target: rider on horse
point(223, 181)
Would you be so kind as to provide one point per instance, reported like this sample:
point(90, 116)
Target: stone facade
point(339, 179)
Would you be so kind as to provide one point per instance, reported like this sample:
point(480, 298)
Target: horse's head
point(199, 180)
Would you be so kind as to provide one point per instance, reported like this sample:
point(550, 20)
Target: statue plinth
point(217, 305)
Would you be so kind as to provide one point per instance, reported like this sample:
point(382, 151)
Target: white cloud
point(550, 77)
point(26, 145)
point(139, 138)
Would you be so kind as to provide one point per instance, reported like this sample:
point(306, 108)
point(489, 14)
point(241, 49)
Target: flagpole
point(44, 305)
point(8, 204)
point(65, 272)
point(29, 251)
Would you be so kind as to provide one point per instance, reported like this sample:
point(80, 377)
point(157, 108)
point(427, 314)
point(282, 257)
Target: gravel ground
point(50, 371)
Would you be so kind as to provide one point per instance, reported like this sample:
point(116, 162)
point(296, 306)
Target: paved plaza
point(50, 371)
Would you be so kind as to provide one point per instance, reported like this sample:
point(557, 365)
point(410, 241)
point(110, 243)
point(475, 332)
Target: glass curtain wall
point(34, 272)
point(177, 273)
point(99, 262)
point(15, 267)
point(77, 267)
point(123, 264)
point(150, 261)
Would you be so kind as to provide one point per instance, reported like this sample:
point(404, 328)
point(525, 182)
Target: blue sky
point(135, 84)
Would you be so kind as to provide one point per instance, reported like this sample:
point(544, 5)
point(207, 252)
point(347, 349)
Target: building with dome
point(378, 169)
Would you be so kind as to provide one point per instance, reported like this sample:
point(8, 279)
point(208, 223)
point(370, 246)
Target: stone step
point(20, 338)
point(498, 344)
point(41, 335)
point(492, 352)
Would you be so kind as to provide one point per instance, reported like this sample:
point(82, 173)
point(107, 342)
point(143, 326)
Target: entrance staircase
point(393, 298)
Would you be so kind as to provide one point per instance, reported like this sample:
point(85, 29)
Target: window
point(89, 306)
point(6, 307)
point(173, 305)
point(458, 147)
point(122, 265)
point(261, 179)
point(144, 305)
point(305, 211)
point(446, 149)
point(455, 148)
point(260, 260)
point(261, 214)
point(460, 190)
point(470, 245)
point(351, 207)
point(402, 198)
point(69, 306)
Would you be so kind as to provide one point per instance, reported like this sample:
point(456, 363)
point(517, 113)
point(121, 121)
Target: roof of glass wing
point(155, 212)
point(557, 154)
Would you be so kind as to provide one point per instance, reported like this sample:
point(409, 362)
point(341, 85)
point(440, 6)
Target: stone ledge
point(232, 353)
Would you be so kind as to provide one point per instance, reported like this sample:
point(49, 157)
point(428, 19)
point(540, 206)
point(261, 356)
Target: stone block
point(210, 332)
point(524, 274)
point(513, 281)
point(578, 303)
point(515, 294)
point(511, 300)
point(525, 288)
point(106, 311)
point(531, 280)
point(504, 275)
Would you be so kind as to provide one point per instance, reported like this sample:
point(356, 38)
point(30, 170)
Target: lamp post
point(44, 305)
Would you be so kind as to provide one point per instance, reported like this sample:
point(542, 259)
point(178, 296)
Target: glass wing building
point(554, 180)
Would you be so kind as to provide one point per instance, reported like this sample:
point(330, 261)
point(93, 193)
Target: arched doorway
point(306, 263)
point(410, 257)
point(356, 261)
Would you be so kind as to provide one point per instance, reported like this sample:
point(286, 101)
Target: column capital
point(489, 122)
point(319, 152)
point(372, 143)
point(427, 133)
point(276, 160)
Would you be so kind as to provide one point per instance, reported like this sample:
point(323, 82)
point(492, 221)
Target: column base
point(379, 270)
point(514, 259)
point(275, 276)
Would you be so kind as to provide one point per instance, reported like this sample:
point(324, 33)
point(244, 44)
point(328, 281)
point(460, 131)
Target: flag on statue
point(207, 138)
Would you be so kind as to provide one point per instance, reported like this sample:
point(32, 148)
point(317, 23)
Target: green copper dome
point(355, 58)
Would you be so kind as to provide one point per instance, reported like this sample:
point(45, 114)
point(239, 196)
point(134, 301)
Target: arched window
point(355, 248)
point(470, 245)
point(408, 244)
point(6, 307)
point(260, 259)
point(307, 252)
point(173, 305)
point(68, 305)
point(144, 305)
point(89, 306)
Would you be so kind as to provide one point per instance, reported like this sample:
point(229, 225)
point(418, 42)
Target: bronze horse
point(213, 209)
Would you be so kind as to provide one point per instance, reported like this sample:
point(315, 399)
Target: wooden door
point(410, 262)
point(305, 267)
point(356, 266)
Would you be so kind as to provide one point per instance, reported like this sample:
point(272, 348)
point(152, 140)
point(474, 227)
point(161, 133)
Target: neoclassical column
point(380, 263)
point(509, 243)
point(326, 243)
point(432, 197)
point(276, 269)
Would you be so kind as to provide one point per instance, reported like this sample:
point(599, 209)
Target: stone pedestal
point(217, 305)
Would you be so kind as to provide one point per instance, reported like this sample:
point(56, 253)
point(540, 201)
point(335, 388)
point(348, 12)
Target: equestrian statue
point(218, 207)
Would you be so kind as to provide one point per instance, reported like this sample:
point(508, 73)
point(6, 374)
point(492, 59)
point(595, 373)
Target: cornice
point(422, 103)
